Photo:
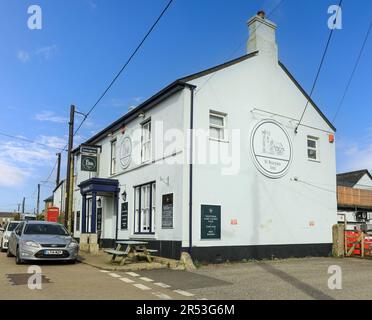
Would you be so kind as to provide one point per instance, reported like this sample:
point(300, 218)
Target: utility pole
point(23, 204)
point(58, 168)
point(19, 207)
point(38, 199)
point(69, 171)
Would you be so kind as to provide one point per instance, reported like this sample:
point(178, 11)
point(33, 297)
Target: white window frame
point(145, 208)
point(316, 149)
point(223, 116)
point(146, 142)
point(113, 157)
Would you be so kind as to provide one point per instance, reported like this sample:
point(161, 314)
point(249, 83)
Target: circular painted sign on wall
point(126, 152)
point(271, 148)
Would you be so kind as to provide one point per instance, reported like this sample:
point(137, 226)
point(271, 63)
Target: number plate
point(53, 252)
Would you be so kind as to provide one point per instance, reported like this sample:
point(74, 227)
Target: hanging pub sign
point(210, 222)
point(167, 211)
point(124, 216)
point(89, 158)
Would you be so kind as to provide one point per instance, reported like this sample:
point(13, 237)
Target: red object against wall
point(52, 214)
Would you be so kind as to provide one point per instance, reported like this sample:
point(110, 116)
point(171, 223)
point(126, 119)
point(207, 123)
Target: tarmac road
point(306, 278)
point(78, 282)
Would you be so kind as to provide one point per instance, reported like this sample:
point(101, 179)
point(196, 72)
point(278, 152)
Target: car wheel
point(71, 261)
point(1, 246)
point(18, 258)
point(8, 253)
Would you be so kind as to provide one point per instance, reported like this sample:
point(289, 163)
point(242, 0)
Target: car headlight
point(73, 244)
point(31, 244)
point(6, 238)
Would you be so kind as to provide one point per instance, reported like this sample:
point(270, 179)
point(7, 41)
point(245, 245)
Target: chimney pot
point(261, 14)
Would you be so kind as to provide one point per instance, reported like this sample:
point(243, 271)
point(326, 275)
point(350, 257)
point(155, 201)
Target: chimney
point(262, 36)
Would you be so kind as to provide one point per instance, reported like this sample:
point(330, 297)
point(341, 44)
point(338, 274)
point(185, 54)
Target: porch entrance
point(92, 215)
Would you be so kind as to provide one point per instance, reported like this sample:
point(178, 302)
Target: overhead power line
point(353, 72)
point(29, 140)
point(319, 69)
point(124, 66)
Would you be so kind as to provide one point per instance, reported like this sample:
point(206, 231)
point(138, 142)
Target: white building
point(261, 196)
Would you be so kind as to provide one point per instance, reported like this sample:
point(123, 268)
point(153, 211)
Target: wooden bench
point(117, 253)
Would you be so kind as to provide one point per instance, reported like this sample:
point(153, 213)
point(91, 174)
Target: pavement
point(274, 280)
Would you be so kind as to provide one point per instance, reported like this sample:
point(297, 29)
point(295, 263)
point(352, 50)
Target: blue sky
point(83, 43)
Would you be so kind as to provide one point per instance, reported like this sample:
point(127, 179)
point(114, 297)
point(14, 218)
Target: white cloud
point(29, 154)
point(53, 142)
point(11, 175)
point(46, 52)
point(51, 117)
point(23, 56)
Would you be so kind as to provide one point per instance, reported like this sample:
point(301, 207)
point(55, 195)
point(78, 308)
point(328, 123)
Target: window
point(146, 142)
point(217, 125)
point(312, 148)
point(113, 157)
point(145, 207)
point(77, 221)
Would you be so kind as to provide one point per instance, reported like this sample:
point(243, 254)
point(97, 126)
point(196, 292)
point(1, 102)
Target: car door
point(13, 240)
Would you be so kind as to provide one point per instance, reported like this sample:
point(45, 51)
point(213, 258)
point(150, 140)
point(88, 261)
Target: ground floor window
point(144, 210)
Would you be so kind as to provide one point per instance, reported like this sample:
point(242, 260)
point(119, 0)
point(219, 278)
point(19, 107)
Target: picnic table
point(130, 250)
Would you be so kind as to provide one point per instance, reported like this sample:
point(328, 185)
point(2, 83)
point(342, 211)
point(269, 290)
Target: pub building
point(136, 181)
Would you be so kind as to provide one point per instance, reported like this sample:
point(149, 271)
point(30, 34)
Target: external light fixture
point(99, 202)
point(124, 195)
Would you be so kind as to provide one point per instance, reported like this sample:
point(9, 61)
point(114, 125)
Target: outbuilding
point(218, 164)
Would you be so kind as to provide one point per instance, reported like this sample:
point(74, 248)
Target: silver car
point(41, 240)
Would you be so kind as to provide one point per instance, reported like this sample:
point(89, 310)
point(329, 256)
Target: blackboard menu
point(167, 211)
point(99, 219)
point(210, 222)
point(124, 216)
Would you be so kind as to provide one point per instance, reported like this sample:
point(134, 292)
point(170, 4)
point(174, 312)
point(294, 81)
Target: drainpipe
point(116, 208)
point(192, 88)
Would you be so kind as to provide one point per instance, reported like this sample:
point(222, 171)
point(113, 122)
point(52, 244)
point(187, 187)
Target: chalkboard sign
point(210, 222)
point(124, 216)
point(167, 211)
point(99, 219)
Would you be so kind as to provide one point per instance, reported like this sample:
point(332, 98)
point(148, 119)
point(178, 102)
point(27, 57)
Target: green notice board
point(210, 222)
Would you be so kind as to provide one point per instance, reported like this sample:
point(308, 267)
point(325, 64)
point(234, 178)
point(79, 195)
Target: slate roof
point(180, 84)
point(350, 179)
point(6, 214)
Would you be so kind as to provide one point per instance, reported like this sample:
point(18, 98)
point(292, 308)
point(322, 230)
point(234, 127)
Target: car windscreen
point(12, 226)
point(52, 229)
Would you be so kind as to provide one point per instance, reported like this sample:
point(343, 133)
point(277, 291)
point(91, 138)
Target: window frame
point(316, 148)
point(222, 127)
point(151, 206)
point(147, 142)
point(113, 157)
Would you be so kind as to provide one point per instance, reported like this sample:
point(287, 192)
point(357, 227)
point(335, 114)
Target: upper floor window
point(217, 125)
point(312, 148)
point(146, 141)
point(113, 157)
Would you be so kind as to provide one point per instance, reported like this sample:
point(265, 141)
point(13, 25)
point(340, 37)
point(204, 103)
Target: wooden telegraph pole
point(58, 168)
point(38, 199)
point(69, 171)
